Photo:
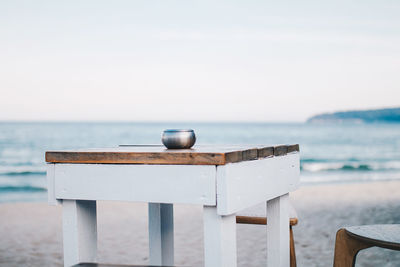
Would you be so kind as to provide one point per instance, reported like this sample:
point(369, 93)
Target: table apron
point(244, 184)
point(188, 184)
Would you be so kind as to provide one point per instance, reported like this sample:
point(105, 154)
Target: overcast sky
point(185, 60)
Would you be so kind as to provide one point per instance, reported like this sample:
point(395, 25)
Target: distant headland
point(359, 116)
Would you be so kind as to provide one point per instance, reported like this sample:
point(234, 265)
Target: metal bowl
point(178, 138)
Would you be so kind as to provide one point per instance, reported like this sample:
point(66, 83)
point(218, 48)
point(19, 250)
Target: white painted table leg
point(278, 253)
point(161, 234)
point(219, 238)
point(79, 231)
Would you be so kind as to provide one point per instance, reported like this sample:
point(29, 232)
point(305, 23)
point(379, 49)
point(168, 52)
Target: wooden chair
point(254, 216)
point(350, 240)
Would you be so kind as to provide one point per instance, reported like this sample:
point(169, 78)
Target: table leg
point(219, 238)
point(79, 231)
point(161, 234)
point(278, 252)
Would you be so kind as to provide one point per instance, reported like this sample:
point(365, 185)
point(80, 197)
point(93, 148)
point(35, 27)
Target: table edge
point(169, 158)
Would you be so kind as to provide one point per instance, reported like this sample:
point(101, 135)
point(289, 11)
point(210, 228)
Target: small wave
point(17, 163)
point(361, 167)
point(350, 166)
point(318, 167)
point(22, 173)
point(344, 177)
point(309, 160)
point(327, 160)
point(22, 170)
point(25, 188)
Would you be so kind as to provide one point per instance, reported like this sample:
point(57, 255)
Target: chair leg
point(292, 250)
point(346, 249)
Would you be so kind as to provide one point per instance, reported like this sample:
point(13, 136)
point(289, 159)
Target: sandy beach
point(31, 232)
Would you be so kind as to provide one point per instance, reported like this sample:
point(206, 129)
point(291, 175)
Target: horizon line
point(148, 121)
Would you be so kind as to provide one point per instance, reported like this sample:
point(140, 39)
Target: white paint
point(223, 190)
point(278, 251)
point(51, 196)
point(161, 234)
point(245, 184)
point(191, 184)
point(79, 231)
point(219, 239)
point(260, 210)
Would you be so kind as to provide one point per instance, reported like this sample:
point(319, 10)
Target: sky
point(145, 60)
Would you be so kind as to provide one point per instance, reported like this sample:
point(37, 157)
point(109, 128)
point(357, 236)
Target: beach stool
point(257, 215)
point(350, 240)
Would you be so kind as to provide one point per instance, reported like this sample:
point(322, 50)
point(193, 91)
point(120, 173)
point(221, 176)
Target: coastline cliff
point(390, 115)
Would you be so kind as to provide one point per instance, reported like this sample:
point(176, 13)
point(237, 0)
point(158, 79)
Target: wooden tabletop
point(198, 155)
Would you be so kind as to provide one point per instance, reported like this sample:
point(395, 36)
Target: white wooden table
point(223, 179)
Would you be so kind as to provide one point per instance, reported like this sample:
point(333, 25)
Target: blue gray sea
point(330, 153)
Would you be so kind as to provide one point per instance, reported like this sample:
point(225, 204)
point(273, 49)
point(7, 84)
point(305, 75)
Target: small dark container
point(178, 138)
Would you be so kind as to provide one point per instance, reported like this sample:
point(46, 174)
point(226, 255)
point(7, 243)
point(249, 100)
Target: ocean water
point(330, 153)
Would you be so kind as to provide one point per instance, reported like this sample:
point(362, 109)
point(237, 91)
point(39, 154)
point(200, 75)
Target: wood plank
point(293, 148)
point(280, 150)
point(141, 158)
point(248, 183)
point(147, 183)
point(293, 261)
point(250, 154)
point(260, 220)
point(264, 152)
point(200, 155)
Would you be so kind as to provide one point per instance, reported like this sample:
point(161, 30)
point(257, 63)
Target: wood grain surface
point(199, 155)
point(261, 220)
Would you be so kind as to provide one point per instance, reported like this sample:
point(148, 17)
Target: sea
point(330, 153)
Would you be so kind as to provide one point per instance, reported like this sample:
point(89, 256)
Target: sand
point(31, 232)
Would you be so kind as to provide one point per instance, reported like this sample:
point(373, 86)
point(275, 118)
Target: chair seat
point(350, 240)
point(90, 264)
point(382, 235)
